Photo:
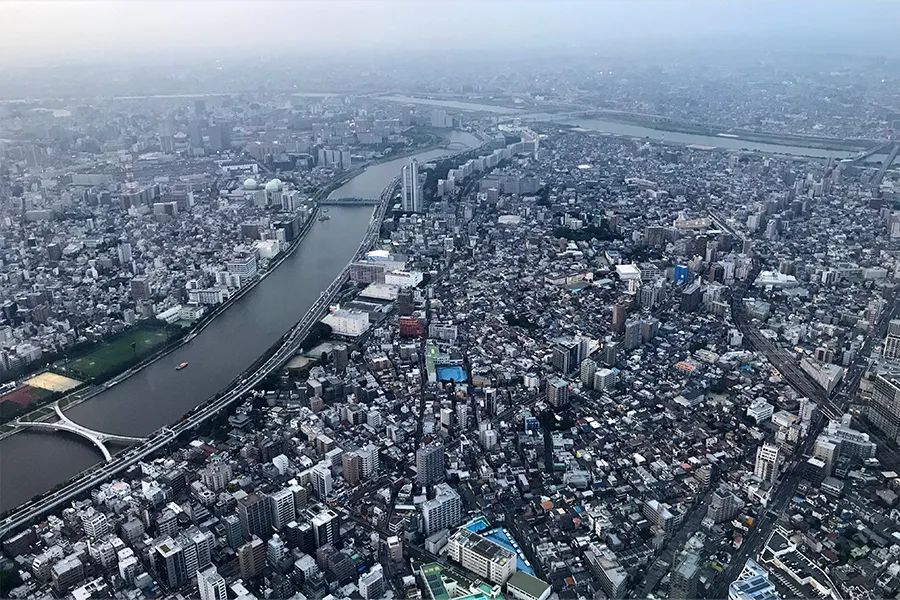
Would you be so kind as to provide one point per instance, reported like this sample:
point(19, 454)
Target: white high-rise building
point(369, 461)
point(412, 194)
point(442, 512)
point(767, 458)
point(95, 523)
point(321, 481)
point(371, 584)
point(281, 503)
point(211, 585)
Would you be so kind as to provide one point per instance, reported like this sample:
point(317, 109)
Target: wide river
point(33, 462)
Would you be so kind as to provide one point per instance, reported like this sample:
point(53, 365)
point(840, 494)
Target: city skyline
point(450, 301)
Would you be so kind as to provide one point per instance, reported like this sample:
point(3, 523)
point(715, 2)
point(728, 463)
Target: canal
point(33, 462)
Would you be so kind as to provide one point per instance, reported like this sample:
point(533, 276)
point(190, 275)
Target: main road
point(33, 462)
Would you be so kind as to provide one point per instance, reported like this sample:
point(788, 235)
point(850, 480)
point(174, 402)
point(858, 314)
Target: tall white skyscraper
point(211, 585)
point(412, 194)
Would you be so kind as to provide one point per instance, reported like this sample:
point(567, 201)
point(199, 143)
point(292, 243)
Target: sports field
point(113, 356)
point(20, 400)
point(53, 382)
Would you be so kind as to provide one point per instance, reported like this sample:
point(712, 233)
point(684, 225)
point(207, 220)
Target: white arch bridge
point(98, 438)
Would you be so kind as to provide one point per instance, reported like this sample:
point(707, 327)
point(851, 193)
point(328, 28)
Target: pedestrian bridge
point(98, 438)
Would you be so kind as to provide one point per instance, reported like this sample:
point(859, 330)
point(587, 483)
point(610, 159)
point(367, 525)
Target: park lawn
point(114, 356)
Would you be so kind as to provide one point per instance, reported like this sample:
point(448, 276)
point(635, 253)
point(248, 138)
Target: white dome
point(274, 185)
point(249, 184)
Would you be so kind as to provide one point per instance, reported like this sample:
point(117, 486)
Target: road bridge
point(876, 183)
point(349, 202)
point(98, 438)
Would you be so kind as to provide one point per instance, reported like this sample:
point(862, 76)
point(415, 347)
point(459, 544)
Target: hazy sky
point(37, 32)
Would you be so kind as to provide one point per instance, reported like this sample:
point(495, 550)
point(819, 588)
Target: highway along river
point(32, 462)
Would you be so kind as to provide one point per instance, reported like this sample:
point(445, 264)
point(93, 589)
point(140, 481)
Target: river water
point(33, 462)
point(729, 143)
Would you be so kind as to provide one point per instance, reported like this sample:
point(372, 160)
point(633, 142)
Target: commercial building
point(211, 585)
point(768, 456)
point(884, 409)
point(483, 557)
point(255, 516)
point(411, 200)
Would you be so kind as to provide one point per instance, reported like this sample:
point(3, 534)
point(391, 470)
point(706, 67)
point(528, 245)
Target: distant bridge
point(98, 438)
point(455, 146)
point(349, 202)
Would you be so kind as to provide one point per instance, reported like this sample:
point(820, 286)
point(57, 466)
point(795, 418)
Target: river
point(632, 130)
point(33, 462)
point(729, 143)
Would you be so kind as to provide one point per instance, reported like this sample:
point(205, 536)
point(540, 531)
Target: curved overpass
point(98, 438)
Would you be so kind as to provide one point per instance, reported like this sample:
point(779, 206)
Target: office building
point(767, 459)
point(281, 505)
point(211, 585)
point(255, 516)
point(371, 585)
point(234, 535)
point(619, 313)
point(827, 450)
point(95, 524)
point(252, 558)
point(891, 349)
point(322, 483)
point(168, 561)
point(884, 409)
point(430, 464)
point(443, 511)
point(412, 194)
point(325, 525)
point(567, 354)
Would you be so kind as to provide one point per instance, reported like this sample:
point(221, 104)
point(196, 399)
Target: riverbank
point(42, 409)
point(781, 139)
point(140, 405)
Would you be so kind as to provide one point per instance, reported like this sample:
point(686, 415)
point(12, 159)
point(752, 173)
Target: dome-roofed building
point(274, 189)
point(250, 184)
